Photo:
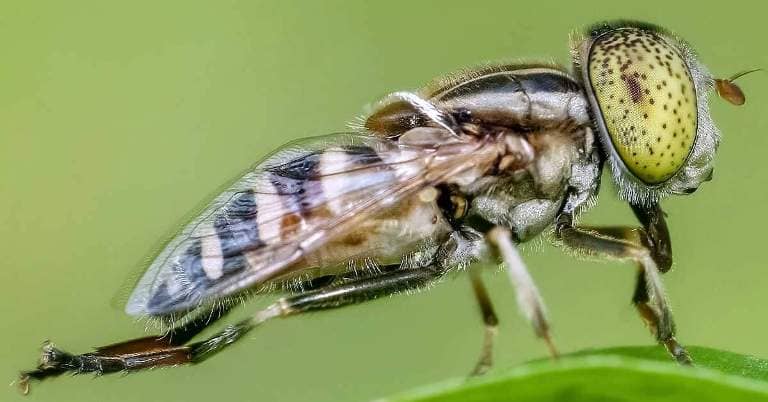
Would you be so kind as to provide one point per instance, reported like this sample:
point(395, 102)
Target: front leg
point(649, 247)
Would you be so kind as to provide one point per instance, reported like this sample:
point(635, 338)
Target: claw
point(678, 352)
point(481, 367)
point(53, 361)
point(553, 353)
point(23, 383)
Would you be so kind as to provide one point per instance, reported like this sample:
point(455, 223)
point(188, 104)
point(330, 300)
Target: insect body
point(432, 182)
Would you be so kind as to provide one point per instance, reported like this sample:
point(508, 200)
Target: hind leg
point(153, 352)
point(145, 352)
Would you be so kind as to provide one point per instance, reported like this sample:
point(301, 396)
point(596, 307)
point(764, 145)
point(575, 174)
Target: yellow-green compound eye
point(647, 101)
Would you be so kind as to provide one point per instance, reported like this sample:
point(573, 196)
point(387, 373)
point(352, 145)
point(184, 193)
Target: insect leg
point(528, 297)
point(490, 322)
point(652, 320)
point(656, 238)
point(656, 234)
point(149, 352)
point(352, 292)
point(649, 248)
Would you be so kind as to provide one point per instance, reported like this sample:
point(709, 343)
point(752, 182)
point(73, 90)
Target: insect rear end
point(433, 183)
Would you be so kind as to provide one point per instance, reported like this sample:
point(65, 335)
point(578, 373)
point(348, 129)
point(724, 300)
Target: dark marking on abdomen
point(236, 226)
point(362, 155)
point(297, 181)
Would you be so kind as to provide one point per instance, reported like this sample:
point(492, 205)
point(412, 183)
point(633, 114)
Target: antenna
point(731, 92)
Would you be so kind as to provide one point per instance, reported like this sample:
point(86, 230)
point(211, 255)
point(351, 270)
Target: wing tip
point(137, 305)
point(161, 302)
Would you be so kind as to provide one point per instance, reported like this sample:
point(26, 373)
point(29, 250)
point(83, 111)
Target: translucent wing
point(297, 200)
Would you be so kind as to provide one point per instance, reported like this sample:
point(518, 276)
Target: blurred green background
point(118, 119)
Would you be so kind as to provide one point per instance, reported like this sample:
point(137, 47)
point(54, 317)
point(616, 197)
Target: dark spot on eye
point(669, 95)
point(645, 115)
point(678, 120)
point(668, 146)
point(664, 82)
point(651, 101)
point(665, 106)
point(658, 139)
point(664, 125)
point(658, 163)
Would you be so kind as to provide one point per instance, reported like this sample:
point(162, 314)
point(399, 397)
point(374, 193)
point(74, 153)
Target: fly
point(433, 182)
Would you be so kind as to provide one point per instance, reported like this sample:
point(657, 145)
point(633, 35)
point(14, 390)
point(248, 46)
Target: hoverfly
point(434, 181)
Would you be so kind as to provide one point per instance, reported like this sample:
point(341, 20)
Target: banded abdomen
point(312, 204)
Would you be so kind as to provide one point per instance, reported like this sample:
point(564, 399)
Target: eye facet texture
point(647, 101)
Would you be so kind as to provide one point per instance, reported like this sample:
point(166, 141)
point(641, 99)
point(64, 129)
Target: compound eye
point(646, 99)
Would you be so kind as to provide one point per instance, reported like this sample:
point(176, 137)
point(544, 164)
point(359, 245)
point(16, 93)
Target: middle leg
point(490, 322)
point(529, 299)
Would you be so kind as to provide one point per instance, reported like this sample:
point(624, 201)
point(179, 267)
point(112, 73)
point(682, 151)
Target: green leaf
point(615, 374)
